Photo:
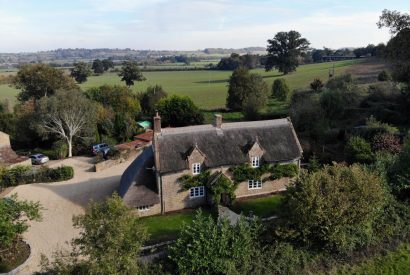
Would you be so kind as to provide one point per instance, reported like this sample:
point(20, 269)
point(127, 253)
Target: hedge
point(25, 174)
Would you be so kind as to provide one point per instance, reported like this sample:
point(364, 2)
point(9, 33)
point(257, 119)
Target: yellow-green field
point(206, 88)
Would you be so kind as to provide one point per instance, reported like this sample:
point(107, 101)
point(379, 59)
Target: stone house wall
point(153, 210)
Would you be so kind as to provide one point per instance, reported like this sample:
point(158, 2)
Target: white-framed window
point(196, 168)
point(197, 192)
point(255, 161)
point(143, 208)
point(254, 184)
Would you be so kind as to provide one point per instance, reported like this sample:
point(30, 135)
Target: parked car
point(102, 147)
point(39, 159)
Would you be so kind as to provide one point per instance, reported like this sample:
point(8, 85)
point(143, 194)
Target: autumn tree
point(67, 114)
point(80, 72)
point(40, 80)
point(284, 50)
point(130, 72)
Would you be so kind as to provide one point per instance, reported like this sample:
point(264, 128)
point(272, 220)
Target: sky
point(35, 25)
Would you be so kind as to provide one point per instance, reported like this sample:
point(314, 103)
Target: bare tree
point(67, 114)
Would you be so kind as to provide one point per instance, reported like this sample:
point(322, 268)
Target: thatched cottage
point(158, 181)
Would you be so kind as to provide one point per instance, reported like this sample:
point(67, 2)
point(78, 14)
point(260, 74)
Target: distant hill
point(61, 56)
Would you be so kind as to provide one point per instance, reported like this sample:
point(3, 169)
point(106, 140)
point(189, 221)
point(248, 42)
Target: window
point(254, 184)
point(143, 208)
point(196, 168)
point(197, 192)
point(255, 162)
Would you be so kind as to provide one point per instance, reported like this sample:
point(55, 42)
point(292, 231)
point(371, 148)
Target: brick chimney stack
point(218, 121)
point(157, 124)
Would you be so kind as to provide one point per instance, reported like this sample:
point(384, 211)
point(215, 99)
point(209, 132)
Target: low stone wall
point(19, 269)
point(112, 162)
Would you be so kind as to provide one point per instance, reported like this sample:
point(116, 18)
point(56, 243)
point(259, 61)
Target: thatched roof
point(227, 145)
point(137, 186)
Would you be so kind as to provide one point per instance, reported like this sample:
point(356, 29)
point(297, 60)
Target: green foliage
point(60, 149)
point(317, 85)
point(359, 150)
point(151, 97)
point(39, 80)
point(383, 76)
point(130, 72)
point(14, 217)
point(280, 89)
point(111, 237)
point(342, 83)
point(314, 164)
point(107, 63)
point(80, 72)
point(188, 181)
point(223, 186)
point(379, 126)
point(245, 172)
point(19, 175)
point(215, 247)
point(98, 66)
point(335, 208)
point(179, 111)
point(283, 258)
point(333, 103)
point(284, 50)
point(246, 92)
point(399, 176)
point(289, 170)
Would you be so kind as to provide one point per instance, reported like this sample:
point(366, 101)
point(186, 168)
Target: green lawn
point(263, 207)
point(395, 262)
point(7, 92)
point(207, 89)
point(166, 227)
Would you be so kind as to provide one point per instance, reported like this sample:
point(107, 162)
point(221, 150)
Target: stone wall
point(4, 140)
point(268, 187)
point(113, 162)
point(153, 210)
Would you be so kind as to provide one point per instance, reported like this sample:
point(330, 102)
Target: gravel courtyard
point(63, 200)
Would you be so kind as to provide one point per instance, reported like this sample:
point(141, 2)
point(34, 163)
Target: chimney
point(218, 121)
point(157, 124)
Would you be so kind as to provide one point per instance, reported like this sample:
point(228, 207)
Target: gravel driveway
point(63, 200)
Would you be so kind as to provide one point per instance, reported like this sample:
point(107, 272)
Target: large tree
point(39, 80)
point(107, 63)
point(246, 90)
point(130, 72)
point(67, 114)
point(179, 111)
point(151, 97)
point(98, 66)
point(80, 72)
point(284, 50)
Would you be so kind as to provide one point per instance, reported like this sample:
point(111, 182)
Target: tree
point(80, 72)
point(215, 247)
point(335, 208)
point(67, 114)
point(111, 236)
point(359, 150)
point(394, 20)
point(179, 111)
point(284, 50)
point(317, 85)
point(39, 80)
point(130, 72)
point(151, 97)
point(108, 64)
point(386, 142)
point(98, 66)
point(280, 89)
point(247, 92)
point(14, 217)
point(332, 103)
point(120, 110)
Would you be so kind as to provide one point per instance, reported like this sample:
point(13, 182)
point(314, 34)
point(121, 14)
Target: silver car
point(39, 159)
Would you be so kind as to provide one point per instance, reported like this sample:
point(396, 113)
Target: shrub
point(280, 89)
point(60, 149)
point(359, 150)
point(335, 208)
point(383, 76)
point(342, 83)
point(285, 170)
point(283, 258)
point(332, 103)
point(386, 142)
point(317, 85)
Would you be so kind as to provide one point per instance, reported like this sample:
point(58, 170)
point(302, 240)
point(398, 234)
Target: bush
point(60, 149)
point(335, 208)
point(25, 175)
point(280, 89)
point(342, 83)
point(317, 85)
point(359, 150)
point(285, 170)
point(386, 142)
point(332, 103)
point(383, 76)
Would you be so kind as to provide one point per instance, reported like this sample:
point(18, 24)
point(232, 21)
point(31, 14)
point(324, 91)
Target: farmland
point(207, 88)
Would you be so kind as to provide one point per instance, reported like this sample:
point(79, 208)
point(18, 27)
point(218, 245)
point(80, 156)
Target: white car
point(39, 159)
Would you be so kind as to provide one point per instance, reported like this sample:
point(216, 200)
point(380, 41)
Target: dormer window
point(255, 161)
point(196, 168)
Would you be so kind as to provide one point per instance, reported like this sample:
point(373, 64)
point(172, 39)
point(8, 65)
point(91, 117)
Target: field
point(207, 88)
